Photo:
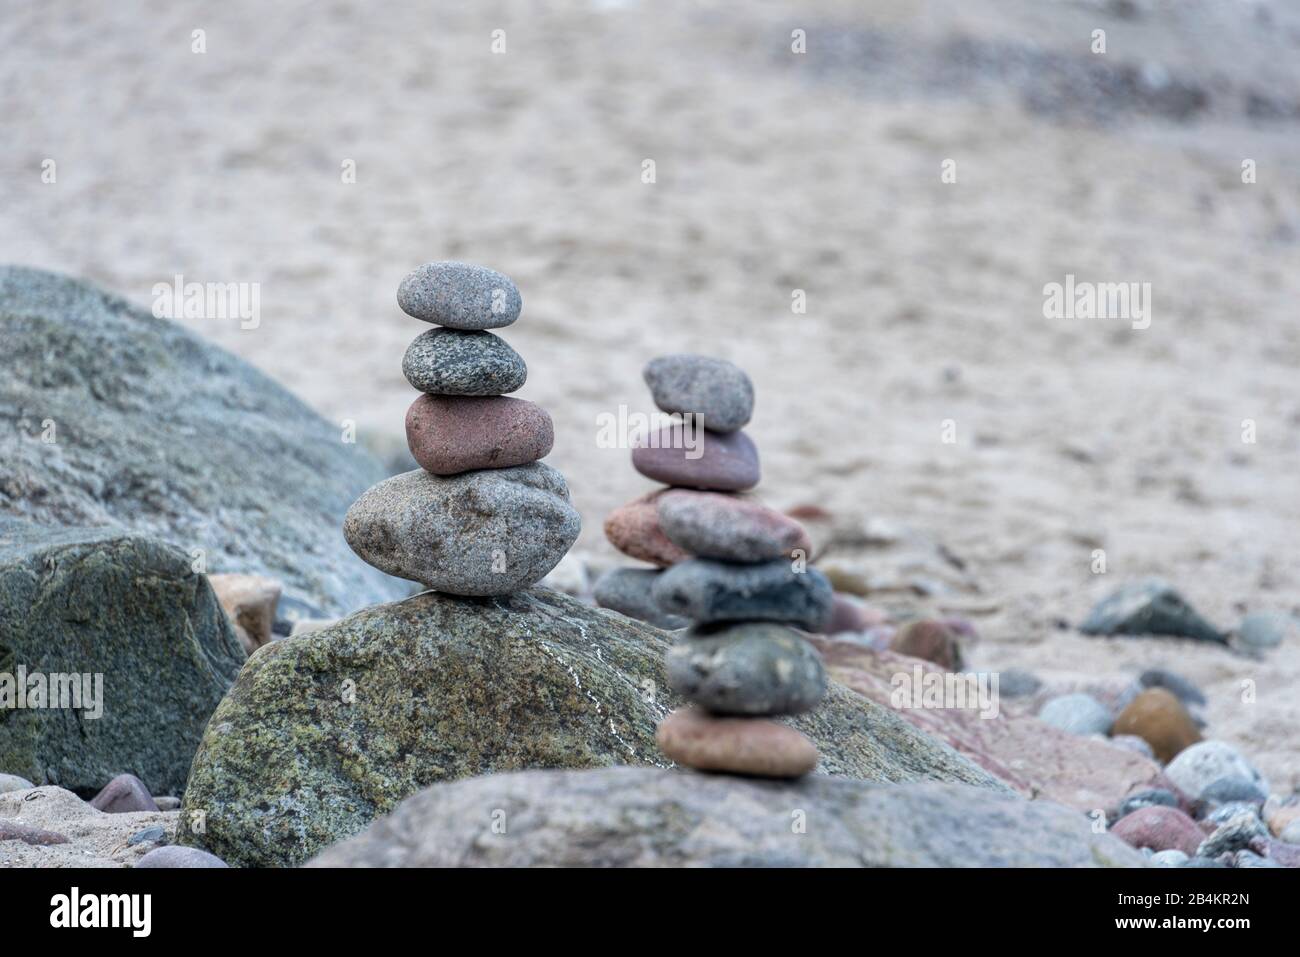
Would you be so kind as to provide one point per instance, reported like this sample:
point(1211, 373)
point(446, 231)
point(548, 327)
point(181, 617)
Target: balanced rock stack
point(734, 568)
point(481, 516)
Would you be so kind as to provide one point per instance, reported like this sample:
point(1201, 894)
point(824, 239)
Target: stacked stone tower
point(482, 515)
point(733, 568)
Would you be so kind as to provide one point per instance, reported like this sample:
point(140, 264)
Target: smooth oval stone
point(174, 855)
point(698, 459)
point(149, 835)
point(480, 533)
point(12, 782)
point(634, 530)
point(751, 746)
point(728, 527)
point(1158, 718)
point(1200, 765)
point(1159, 828)
point(449, 434)
point(1077, 713)
point(755, 668)
point(706, 592)
point(459, 296)
point(455, 362)
point(1263, 630)
point(628, 592)
point(122, 795)
point(930, 640)
point(1233, 788)
point(715, 389)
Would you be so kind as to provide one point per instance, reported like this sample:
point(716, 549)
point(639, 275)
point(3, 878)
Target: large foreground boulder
point(111, 417)
point(644, 817)
point(117, 624)
point(325, 732)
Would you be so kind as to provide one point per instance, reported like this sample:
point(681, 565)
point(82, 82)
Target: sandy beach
point(775, 172)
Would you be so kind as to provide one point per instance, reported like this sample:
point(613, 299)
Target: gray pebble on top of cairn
point(481, 516)
point(739, 664)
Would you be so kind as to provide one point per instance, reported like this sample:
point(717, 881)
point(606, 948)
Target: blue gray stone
point(715, 389)
point(1261, 631)
point(1149, 607)
point(709, 592)
point(454, 362)
point(1077, 713)
point(1151, 797)
point(1234, 788)
point(1180, 687)
point(459, 296)
point(755, 668)
point(1196, 767)
point(628, 591)
point(1170, 858)
point(149, 835)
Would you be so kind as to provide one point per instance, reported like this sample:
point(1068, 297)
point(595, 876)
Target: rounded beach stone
point(635, 531)
point(12, 782)
point(480, 533)
point(454, 362)
point(173, 856)
point(1158, 718)
point(929, 640)
point(1233, 788)
point(452, 434)
point(628, 591)
point(123, 794)
point(718, 391)
point(1159, 828)
point(459, 296)
point(706, 592)
point(728, 527)
point(852, 615)
point(1200, 765)
point(1076, 713)
point(750, 746)
point(698, 458)
point(754, 668)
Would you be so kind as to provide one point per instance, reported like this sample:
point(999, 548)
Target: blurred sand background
point(775, 172)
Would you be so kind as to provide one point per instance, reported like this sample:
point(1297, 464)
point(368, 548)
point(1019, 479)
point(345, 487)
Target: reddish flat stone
point(13, 831)
point(123, 794)
point(750, 746)
point(724, 463)
point(453, 434)
point(1159, 828)
point(634, 530)
point(729, 528)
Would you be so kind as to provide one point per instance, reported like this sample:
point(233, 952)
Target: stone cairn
point(481, 516)
point(728, 565)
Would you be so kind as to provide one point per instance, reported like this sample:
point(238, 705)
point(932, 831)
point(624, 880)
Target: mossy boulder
point(325, 732)
point(110, 417)
point(128, 613)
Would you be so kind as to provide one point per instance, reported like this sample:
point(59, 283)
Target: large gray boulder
point(130, 610)
point(156, 431)
point(643, 817)
point(323, 733)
